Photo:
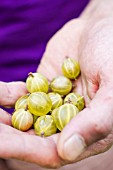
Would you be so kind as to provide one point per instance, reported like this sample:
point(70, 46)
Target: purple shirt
point(25, 28)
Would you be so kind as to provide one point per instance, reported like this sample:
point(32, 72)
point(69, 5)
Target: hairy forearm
point(97, 9)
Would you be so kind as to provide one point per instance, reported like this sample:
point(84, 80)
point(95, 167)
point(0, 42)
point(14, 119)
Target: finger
point(5, 117)
point(90, 125)
point(6, 129)
point(31, 148)
point(58, 48)
point(10, 92)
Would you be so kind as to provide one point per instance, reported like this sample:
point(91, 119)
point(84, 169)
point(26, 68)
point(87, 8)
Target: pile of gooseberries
point(49, 107)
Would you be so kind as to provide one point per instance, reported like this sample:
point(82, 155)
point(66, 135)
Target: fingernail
point(73, 147)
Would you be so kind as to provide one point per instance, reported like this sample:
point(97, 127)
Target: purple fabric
point(25, 28)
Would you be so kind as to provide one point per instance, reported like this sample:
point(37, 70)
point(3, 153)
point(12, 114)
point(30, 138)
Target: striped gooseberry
point(61, 85)
point(22, 119)
point(56, 99)
point(70, 68)
point(45, 126)
point(63, 114)
point(37, 82)
point(75, 99)
point(39, 103)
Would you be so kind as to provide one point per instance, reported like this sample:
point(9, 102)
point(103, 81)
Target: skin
point(90, 42)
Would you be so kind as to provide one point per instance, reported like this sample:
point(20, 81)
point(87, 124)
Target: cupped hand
point(90, 132)
point(91, 44)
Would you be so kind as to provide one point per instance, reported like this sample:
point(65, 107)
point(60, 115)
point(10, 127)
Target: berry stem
point(42, 134)
point(69, 101)
point(30, 74)
point(28, 94)
point(26, 108)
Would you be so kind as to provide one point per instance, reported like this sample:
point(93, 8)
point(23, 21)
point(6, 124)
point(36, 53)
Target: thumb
point(90, 125)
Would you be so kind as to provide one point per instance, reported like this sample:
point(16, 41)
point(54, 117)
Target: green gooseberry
point(70, 68)
point(45, 126)
point(61, 85)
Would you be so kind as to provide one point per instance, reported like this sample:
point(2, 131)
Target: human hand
point(22, 145)
point(90, 132)
point(93, 125)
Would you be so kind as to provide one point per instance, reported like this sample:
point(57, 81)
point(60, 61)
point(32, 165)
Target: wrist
point(97, 10)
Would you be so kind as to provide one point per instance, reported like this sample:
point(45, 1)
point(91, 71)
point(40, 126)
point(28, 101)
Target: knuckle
point(102, 128)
